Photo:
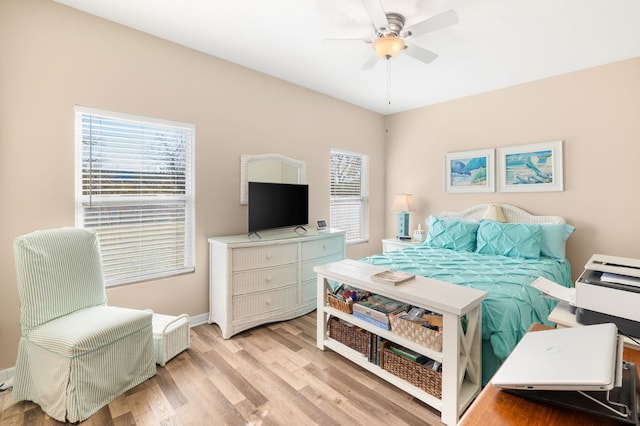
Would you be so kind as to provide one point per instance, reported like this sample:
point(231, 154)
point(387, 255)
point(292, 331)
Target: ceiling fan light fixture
point(388, 46)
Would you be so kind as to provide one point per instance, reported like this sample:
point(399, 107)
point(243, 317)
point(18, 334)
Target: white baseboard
point(7, 373)
point(198, 319)
point(6, 376)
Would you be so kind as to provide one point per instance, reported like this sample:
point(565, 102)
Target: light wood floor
point(270, 375)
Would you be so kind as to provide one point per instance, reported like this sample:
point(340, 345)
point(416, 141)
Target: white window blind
point(135, 188)
point(349, 196)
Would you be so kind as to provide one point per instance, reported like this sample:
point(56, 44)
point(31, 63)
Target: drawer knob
point(268, 257)
point(268, 302)
point(269, 279)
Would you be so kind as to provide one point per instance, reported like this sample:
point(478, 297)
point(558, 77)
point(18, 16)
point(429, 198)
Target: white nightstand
point(391, 244)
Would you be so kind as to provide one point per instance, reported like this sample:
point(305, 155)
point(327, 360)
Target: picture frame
point(533, 167)
point(470, 171)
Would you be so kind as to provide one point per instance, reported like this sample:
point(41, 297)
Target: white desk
point(563, 317)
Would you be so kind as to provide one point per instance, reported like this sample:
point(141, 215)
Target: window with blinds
point(349, 196)
point(135, 188)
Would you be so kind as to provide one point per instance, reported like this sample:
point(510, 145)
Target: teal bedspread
point(511, 306)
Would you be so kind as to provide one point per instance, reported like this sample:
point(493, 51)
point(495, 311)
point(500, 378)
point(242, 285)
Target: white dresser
point(253, 281)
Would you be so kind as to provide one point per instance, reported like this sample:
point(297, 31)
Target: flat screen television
point(277, 205)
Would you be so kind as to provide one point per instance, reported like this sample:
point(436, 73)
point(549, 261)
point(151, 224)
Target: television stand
point(294, 230)
point(300, 227)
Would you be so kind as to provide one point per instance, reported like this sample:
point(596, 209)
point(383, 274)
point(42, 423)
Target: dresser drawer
point(253, 280)
point(256, 304)
point(321, 248)
point(307, 267)
point(264, 256)
point(309, 291)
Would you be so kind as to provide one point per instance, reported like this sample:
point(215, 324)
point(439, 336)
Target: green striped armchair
point(76, 354)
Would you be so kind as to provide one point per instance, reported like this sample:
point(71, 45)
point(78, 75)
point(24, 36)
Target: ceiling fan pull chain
point(388, 84)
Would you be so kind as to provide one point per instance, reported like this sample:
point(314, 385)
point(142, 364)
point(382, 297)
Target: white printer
point(608, 290)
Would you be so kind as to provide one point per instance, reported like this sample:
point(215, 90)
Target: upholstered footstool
point(170, 336)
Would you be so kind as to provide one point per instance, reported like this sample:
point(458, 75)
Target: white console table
point(461, 346)
point(256, 280)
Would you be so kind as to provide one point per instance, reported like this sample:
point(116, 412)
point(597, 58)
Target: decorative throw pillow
point(553, 240)
point(509, 239)
point(452, 234)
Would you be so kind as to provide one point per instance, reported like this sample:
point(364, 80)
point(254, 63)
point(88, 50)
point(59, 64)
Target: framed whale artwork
point(470, 171)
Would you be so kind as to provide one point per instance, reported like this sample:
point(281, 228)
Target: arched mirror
point(269, 168)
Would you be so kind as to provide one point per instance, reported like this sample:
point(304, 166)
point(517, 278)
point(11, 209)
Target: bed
point(502, 259)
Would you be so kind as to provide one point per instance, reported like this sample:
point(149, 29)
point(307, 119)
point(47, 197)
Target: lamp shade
point(403, 203)
point(388, 46)
point(494, 212)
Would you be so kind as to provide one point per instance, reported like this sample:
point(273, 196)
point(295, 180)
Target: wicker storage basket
point(340, 305)
point(418, 375)
point(170, 336)
point(351, 336)
point(415, 332)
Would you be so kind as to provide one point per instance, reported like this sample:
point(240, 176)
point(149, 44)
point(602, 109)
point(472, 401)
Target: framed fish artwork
point(470, 171)
point(530, 168)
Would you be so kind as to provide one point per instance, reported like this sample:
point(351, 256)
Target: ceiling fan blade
point(371, 62)
point(437, 22)
point(419, 53)
point(377, 15)
point(361, 40)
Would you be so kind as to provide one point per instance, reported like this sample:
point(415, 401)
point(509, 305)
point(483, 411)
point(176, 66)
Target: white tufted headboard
point(512, 213)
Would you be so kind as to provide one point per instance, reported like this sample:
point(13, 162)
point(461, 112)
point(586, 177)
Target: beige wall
point(595, 112)
point(54, 57)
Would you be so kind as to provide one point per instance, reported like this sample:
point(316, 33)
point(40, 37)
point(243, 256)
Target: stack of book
point(392, 277)
point(409, 354)
point(376, 309)
point(376, 349)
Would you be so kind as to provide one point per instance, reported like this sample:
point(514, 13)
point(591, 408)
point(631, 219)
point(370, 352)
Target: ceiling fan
point(391, 34)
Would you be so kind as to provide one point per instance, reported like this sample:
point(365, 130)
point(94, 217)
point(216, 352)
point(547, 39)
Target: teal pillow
point(452, 234)
point(509, 239)
point(553, 240)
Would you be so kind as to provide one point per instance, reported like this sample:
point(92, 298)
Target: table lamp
point(403, 204)
point(494, 212)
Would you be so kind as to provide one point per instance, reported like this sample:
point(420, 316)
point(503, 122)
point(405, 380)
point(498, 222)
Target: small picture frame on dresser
point(321, 225)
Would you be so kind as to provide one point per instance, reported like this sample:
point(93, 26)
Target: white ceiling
point(497, 43)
